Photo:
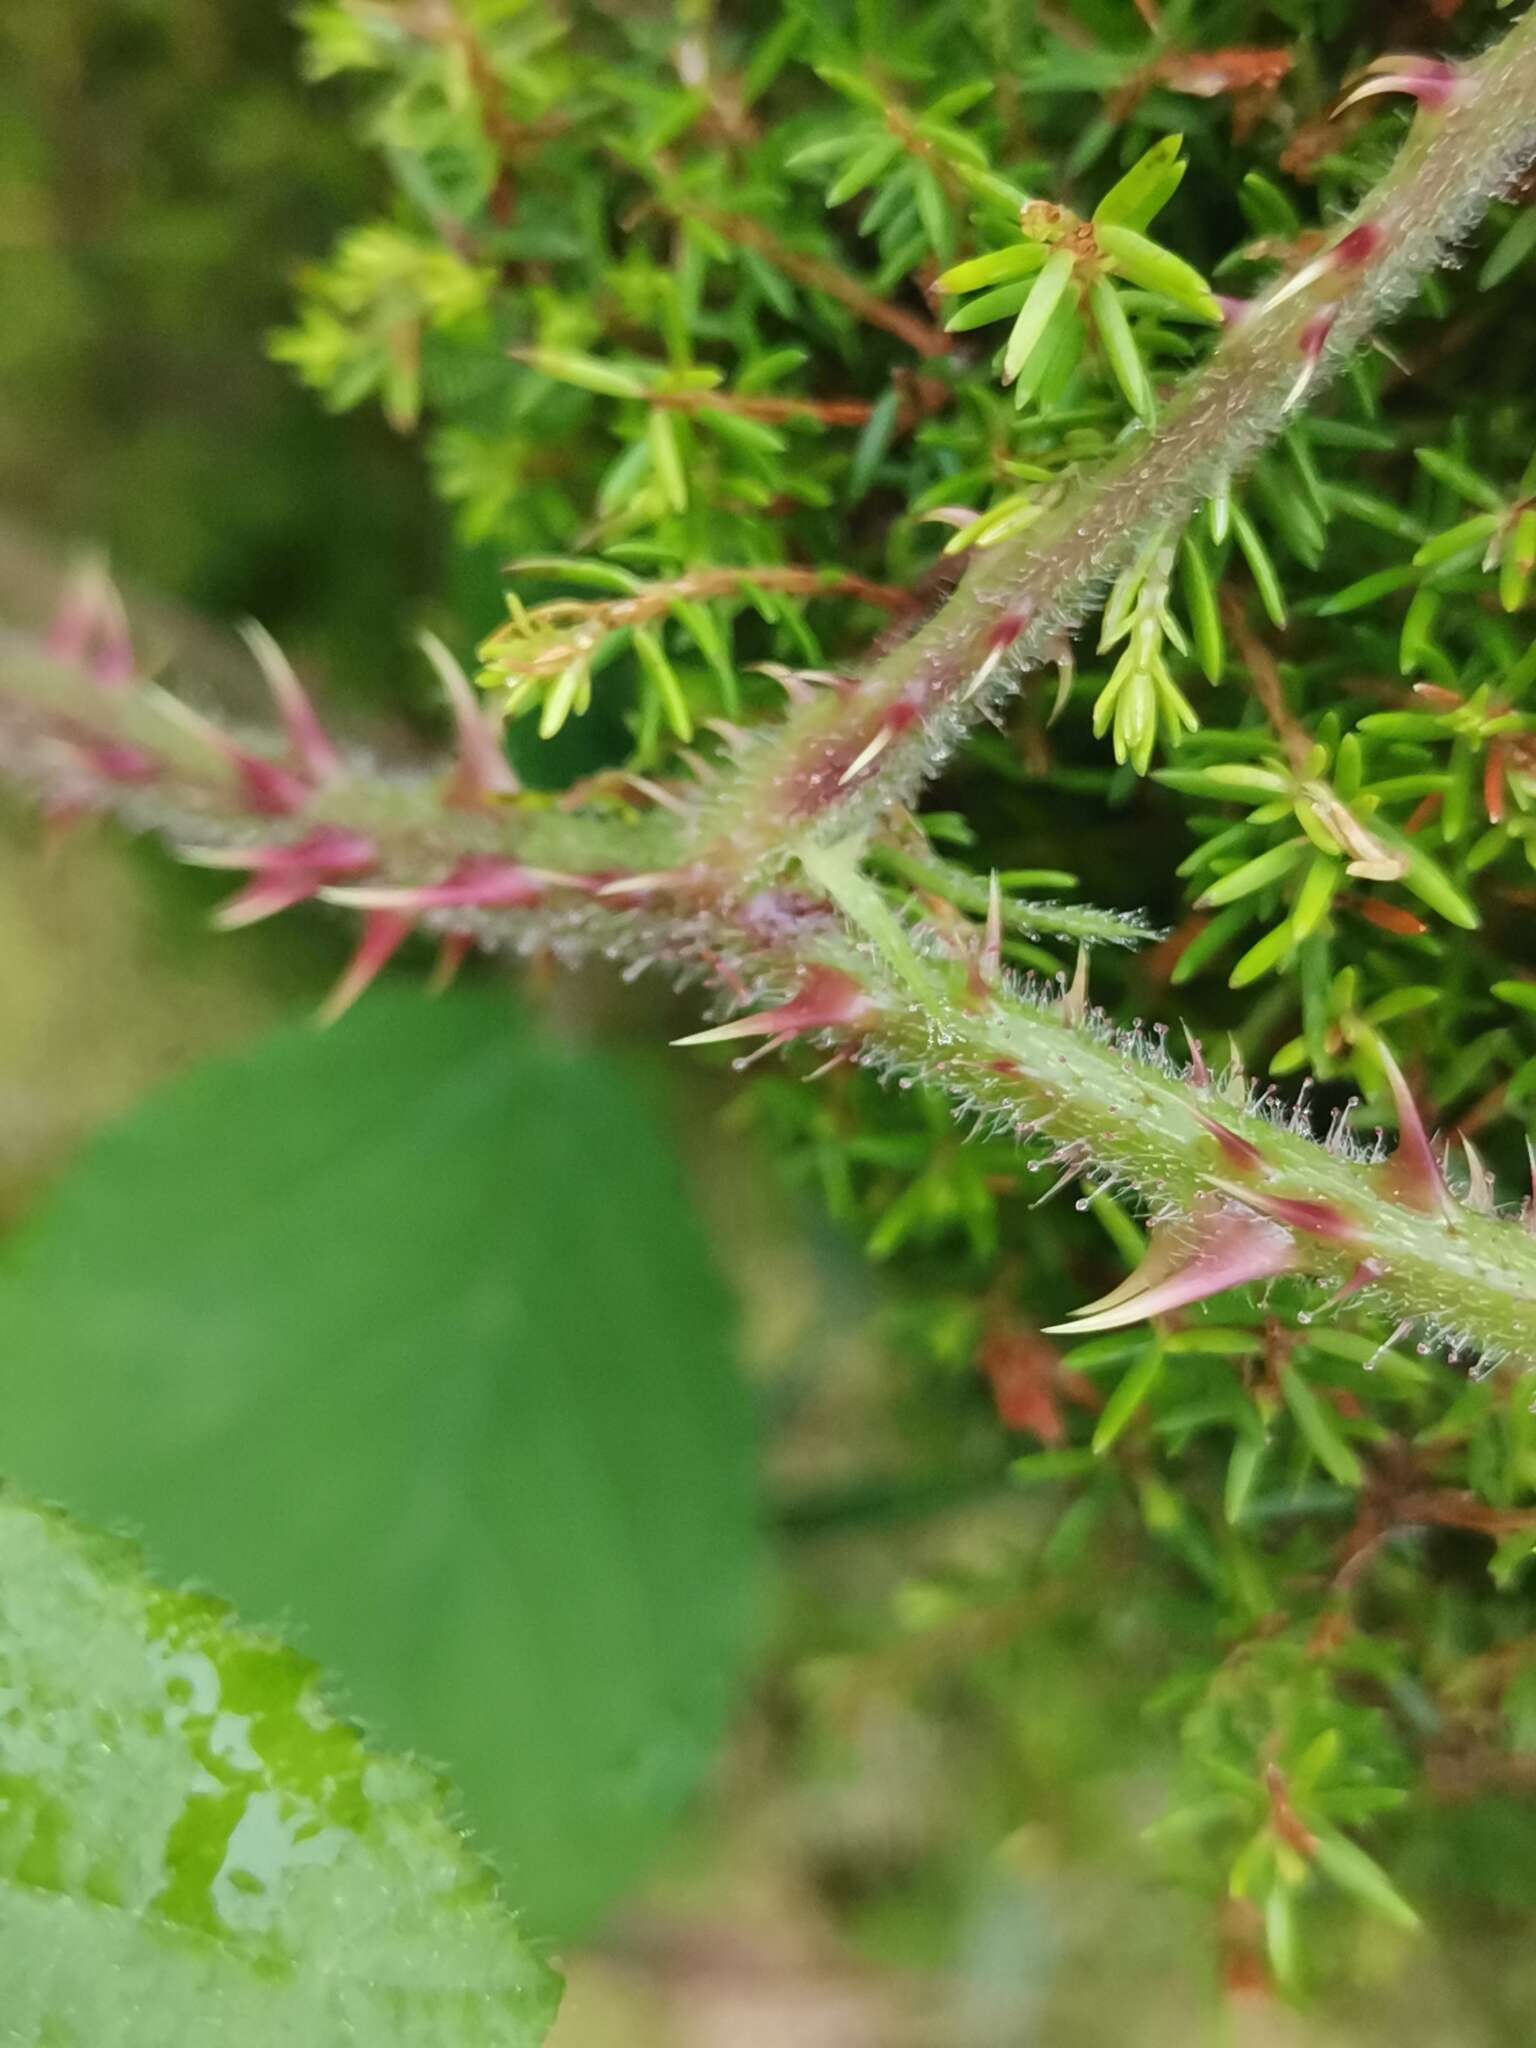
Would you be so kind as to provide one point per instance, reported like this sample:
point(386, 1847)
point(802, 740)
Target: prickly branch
point(833, 764)
point(750, 881)
point(1237, 1190)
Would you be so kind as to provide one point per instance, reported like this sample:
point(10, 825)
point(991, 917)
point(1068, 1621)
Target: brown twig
point(813, 271)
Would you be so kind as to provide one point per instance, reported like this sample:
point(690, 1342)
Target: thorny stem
point(1019, 600)
point(1115, 1109)
point(1236, 1194)
point(1119, 1110)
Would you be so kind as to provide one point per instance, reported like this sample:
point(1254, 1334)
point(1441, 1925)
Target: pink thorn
point(384, 933)
point(265, 784)
point(1237, 1151)
point(483, 773)
point(828, 1000)
point(451, 955)
point(481, 881)
point(311, 751)
point(1480, 1188)
point(1366, 1274)
point(1233, 311)
point(268, 788)
point(663, 881)
point(90, 629)
point(1008, 628)
point(266, 897)
point(653, 792)
point(1295, 1212)
point(733, 736)
point(1074, 1001)
point(1313, 338)
point(1216, 1250)
point(1413, 1173)
point(1429, 80)
point(1311, 342)
point(1199, 1073)
point(1360, 244)
point(999, 638)
point(115, 760)
point(286, 875)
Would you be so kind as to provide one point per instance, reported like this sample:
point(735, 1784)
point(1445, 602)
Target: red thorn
point(1412, 1173)
point(1313, 337)
point(451, 955)
point(312, 753)
point(1430, 80)
point(828, 1000)
point(483, 773)
point(480, 881)
point(90, 628)
point(1187, 1262)
point(1237, 1151)
point(384, 933)
point(112, 760)
point(1360, 244)
point(1199, 1073)
point(266, 785)
point(269, 788)
point(1296, 1212)
point(286, 875)
point(1365, 1274)
point(1009, 627)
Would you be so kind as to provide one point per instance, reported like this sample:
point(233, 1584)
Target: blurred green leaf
point(337, 1326)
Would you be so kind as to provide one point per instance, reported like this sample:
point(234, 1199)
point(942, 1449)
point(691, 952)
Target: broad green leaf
point(194, 1850)
point(406, 1336)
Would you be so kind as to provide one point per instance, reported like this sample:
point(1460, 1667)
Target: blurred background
point(925, 1825)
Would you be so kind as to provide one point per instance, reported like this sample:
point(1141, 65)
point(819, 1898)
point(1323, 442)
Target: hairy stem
point(1116, 1109)
point(830, 958)
point(835, 763)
